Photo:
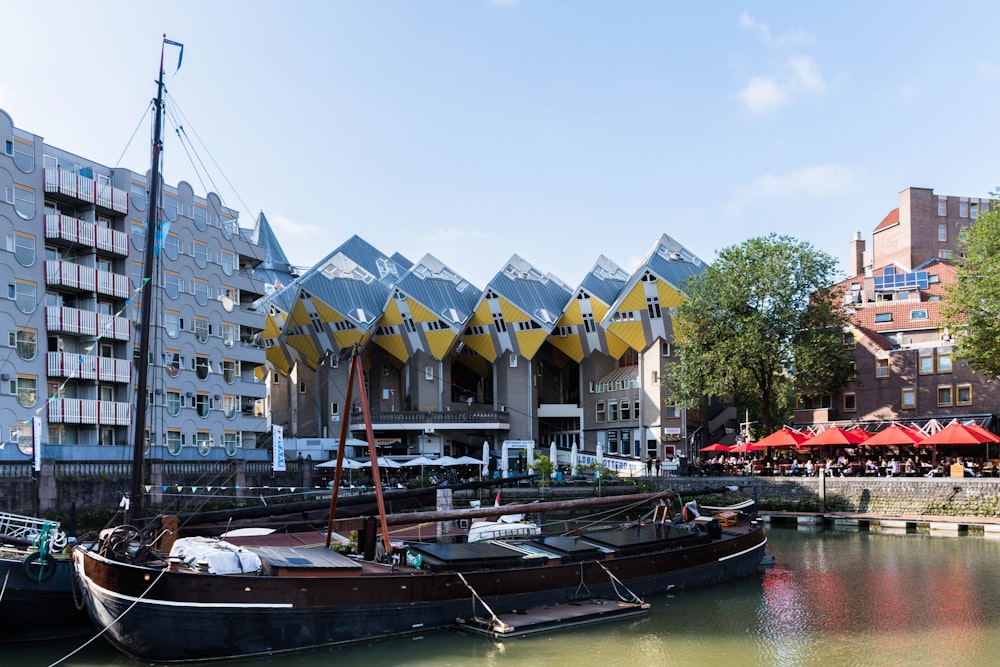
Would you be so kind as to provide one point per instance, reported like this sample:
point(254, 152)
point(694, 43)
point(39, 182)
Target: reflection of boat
point(215, 600)
point(36, 599)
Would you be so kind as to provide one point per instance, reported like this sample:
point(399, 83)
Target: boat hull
point(170, 616)
point(31, 609)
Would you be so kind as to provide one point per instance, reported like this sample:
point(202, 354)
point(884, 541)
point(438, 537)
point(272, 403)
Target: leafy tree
point(760, 324)
point(972, 304)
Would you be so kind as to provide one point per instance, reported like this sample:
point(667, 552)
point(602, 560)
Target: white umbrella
point(383, 462)
point(486, 459)
point(419, 461)
point(349, 464)
point(553, 454)
point(600, 455)
point(572, 460)
point(447, 461)
point(467, 461)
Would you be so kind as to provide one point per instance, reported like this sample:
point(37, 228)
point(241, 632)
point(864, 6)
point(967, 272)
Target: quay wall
point(941, 496)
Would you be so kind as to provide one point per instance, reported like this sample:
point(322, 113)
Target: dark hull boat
point(168, 610)
point(36, 585)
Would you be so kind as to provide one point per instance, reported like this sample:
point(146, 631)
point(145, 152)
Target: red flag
point(497, 502)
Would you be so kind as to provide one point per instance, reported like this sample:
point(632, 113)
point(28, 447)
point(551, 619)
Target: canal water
point(833, 598)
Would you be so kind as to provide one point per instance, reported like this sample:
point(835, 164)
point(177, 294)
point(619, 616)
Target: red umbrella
point(838, 437)
point(895, 435)
point(741, 448)
point(715, 448)
point(988, 436)
point(785, 437)
point(959, 434)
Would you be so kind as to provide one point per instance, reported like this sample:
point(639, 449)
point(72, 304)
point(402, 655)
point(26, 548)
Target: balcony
point(87, 234)
point(87, 279)
point(458, 418)
point(83, 411)
point(87, 323)
point(89, 367)
point(71, 184)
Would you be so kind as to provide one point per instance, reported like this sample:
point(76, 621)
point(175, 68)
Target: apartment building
point(75, 234)
point(903, 348)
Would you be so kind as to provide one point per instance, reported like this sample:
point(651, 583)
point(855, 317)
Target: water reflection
point(835, 597)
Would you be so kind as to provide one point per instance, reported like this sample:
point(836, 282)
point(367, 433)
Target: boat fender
point(414, 560)
point(40, 571)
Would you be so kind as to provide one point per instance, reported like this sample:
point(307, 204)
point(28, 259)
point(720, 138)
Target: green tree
point(972, 303)
point(760, 324)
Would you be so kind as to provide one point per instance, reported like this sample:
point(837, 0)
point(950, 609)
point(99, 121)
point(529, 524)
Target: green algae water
point(833, 598)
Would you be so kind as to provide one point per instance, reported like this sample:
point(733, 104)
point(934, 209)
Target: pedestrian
point(656, 463)
point(649, 465)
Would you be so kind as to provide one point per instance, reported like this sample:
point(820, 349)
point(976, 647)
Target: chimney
point(856, 264)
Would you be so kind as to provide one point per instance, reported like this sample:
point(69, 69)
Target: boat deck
point(553, 617)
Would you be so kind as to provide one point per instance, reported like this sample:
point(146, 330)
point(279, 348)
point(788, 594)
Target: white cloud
point(988, 70)
point(816, 181)
point(764, 94)
point(792, 38)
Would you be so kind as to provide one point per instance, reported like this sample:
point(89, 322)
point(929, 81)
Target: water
point(833, 598)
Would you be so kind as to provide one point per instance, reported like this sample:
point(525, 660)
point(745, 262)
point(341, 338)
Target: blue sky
point(559, 130)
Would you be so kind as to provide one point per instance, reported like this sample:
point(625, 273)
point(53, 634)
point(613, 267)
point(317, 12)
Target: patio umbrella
point(743, 448)
point(572, 460)
point(384, 462)
point(446, 461)
point(419, 461)
point(715, 448)
point(895, 435)
point(837, 437)
point(989, 435)
point(785, 437)
point(349, 464)
point(959, 434)
point(486, 459)
point(553, 455)
point(600, 454)
point(467, 461)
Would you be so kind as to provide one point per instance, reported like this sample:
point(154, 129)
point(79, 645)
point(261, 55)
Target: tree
point(972, 304)
point(760, 323)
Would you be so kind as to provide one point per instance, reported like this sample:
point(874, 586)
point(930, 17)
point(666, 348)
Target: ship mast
point(146, 296)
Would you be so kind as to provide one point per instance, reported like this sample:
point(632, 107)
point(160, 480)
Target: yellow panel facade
point(528, 342)
point(631, 333)
point(669, 297)
point(571, 317)
point(394, 345)
point(299, 316)
point(419, 313)
point(277, 358)
point(440, 342)
point(326, 312)
point(391, 316)
point(636, 299)
point(483, 345)
point(272, 327)
point(571, 346)
point(305, 347)
point(616, 346)
point(512, 313)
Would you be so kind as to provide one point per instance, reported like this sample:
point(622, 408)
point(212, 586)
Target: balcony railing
point(86, 233)
point(89, 367)
point(88, 279)
point(436, 417)
point(87, 323)
point(84, 411)
point(74, 185)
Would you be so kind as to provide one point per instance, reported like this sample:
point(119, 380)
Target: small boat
point(36, 581)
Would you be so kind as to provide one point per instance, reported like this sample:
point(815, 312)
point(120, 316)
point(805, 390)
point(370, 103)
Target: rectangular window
point(963, 209)
point(973, 210)
point(942, 207)
point(626, 410)
point(943, 233)
point(513, 360)
point(612, 411)
point(882, 369)
point(963, 394)
point(600, 414)
point(944, 362)
point(918, 314)
point(428, 372)
point(944, 399)
point(671, 412)
point(883, 317)
point(908, 398)
point(854, 371)
point(849, 342)
point(926, 363)
point(850, 402)
point(612, 442)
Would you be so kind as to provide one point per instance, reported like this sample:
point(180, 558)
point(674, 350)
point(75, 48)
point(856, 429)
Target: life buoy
point(38, 571)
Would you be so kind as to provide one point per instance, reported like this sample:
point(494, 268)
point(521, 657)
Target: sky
point(557, 130)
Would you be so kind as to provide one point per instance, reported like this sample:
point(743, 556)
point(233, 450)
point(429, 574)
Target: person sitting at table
point(810, 468)
point(910, 467)
point(969, 472)
point(794, 469)
point(893, 469)
point(871, 468)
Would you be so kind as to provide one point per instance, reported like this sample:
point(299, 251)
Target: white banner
point(278, 449)
point(36, 441)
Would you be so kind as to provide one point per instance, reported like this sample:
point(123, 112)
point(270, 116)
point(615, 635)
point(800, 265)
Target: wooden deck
point(553, 617)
